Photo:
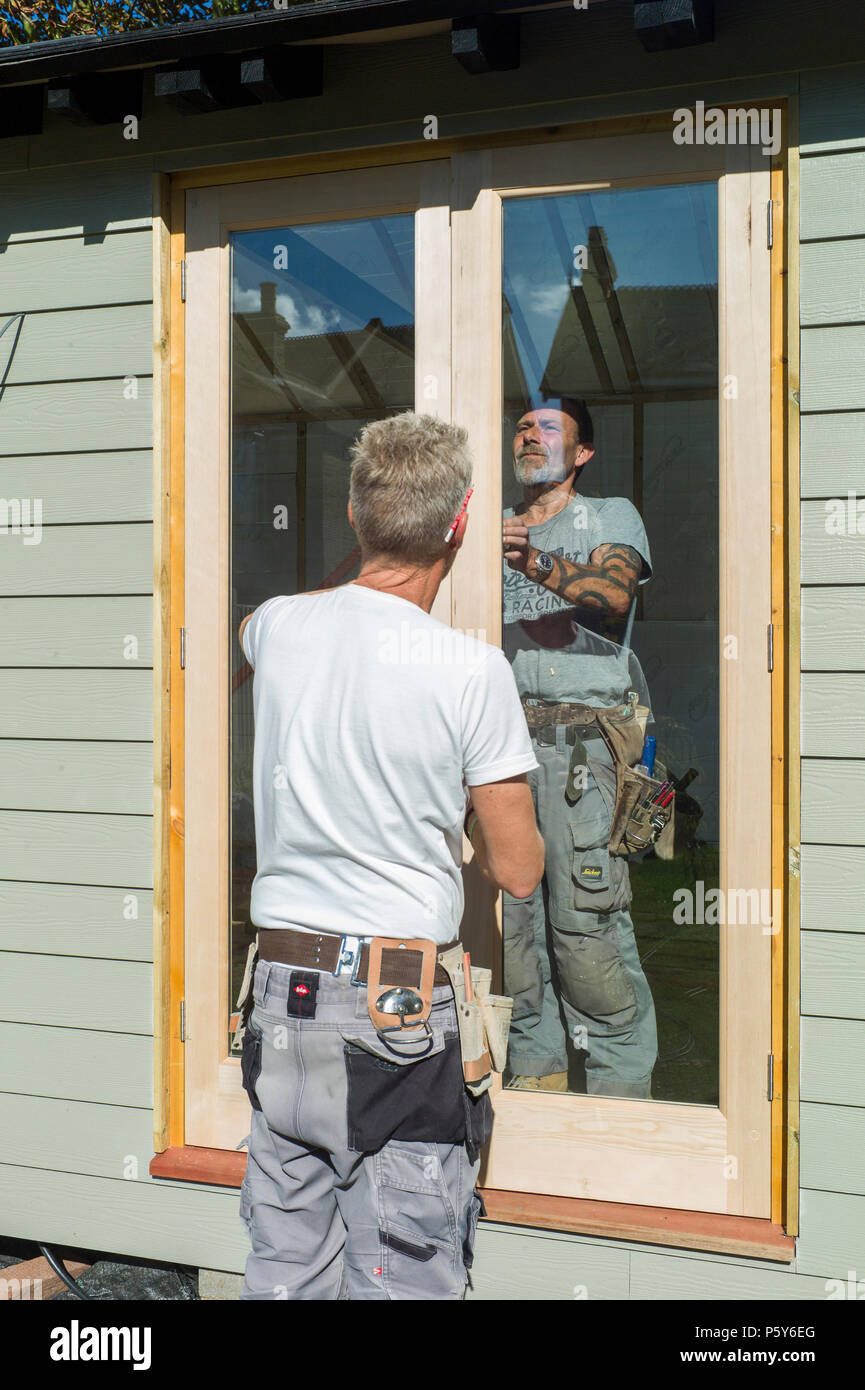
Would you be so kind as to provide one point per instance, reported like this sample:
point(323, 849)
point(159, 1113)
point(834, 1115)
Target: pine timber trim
point(168, 1118)
point(789, 407)
point(692, 1230)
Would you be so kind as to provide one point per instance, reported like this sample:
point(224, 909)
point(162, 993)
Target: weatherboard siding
point(76, 832)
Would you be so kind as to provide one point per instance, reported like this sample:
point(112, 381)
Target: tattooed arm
point(605, 587)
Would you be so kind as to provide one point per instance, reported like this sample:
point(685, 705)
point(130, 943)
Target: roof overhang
point(315, 21)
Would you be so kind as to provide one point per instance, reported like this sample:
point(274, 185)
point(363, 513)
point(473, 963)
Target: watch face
point(544, 562)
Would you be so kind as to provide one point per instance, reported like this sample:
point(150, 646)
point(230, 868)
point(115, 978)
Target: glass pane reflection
point(322, 325)
point(610, 453)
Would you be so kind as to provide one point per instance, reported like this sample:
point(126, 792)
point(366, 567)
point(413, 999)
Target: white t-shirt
point(371, 717)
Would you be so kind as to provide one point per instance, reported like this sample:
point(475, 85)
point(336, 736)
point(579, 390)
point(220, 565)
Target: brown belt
point(539, 716)
point(323, 951)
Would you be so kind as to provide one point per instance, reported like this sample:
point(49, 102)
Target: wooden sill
point(688, 1230)
point(219, 1167)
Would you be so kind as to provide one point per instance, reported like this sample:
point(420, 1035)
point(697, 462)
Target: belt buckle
point(349, 955)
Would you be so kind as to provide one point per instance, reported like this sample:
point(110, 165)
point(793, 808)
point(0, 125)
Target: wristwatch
point(544, 563)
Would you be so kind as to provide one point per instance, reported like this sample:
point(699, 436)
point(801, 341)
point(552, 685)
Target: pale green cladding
point(76, 706)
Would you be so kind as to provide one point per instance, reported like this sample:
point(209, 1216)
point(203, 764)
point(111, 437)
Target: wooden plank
point(833, 968)
point(77, 632)
point(832, 714)
point(113, 486)
point(69, 847)
point(785, 619)
point(528, 1267)
point(222, 1167)
point(77, 704)
point(79, 560)
point(85, 415)
point(831, 101)
point(110, 341)
point(833, 1141)
point(111, 1141)
point(169, 1120)
point(73, 201)
point(161, 634)
point(833, 282)
point(114, 996)
point(791, 838)
point(832, 204)
point(154, 1220)
point(62, 918)
point(657, 1277)
point(746, 745)
point(833, 1061)
point(73, 272)
point(832, 878)
point(36, 1279)
point(56, 775)
point(828, 558)
point(833, 368)
point(833, 801)
point(831, 454)
point(700, 1230)
point(832, 1234)
point(833, 634)
point(76, 1064)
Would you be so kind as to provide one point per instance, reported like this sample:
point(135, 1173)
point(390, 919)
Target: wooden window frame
point(470, 156)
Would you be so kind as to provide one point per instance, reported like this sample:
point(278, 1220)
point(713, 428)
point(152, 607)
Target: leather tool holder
point(245, 997)
point(483, 1022)
point(396, 964)
point(635, 826)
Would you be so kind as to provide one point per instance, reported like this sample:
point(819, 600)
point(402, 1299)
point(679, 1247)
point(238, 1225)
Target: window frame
point(468, 212)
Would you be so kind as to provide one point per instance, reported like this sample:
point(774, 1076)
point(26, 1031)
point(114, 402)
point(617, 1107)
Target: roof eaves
point(317, 19)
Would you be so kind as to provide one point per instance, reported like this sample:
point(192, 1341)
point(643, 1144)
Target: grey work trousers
point(601, 992)
point(334, 1209)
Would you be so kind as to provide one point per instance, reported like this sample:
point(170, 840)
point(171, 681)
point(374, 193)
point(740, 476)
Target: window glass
point(322, 325)
point(610, 620)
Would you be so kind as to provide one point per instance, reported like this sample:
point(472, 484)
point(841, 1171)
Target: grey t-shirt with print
point(582, 666)
point(574, 532)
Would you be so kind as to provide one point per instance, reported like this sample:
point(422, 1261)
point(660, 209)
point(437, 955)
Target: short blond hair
point(409, 477)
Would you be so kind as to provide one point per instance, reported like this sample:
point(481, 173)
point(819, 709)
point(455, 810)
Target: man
point(371, 719)
point(571, 574)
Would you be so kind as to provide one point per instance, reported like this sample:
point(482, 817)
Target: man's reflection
point(572, 566)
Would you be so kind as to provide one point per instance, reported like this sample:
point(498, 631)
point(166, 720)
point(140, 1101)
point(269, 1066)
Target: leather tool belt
point(563, 713)
point(634, 825)
point(339, 955)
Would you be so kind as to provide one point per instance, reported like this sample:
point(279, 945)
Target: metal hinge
point(183, 282)
point(183, 1020)
point(183, 649)
point(770, 233)
point(770, 1080)
point(770, 646)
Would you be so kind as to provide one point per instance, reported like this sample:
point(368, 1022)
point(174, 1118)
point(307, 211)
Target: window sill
point(689, 1230)
point(747, 1236)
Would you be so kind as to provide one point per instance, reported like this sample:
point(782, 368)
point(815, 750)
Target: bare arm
point(506, 842)
point(243, 623)
point(605, 587)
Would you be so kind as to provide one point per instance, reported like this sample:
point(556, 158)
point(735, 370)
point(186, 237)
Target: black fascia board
point(52, 58)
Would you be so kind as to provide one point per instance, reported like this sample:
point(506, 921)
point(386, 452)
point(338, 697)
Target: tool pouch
point(400, 984)
point(484, 1022)
point(635, 827)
